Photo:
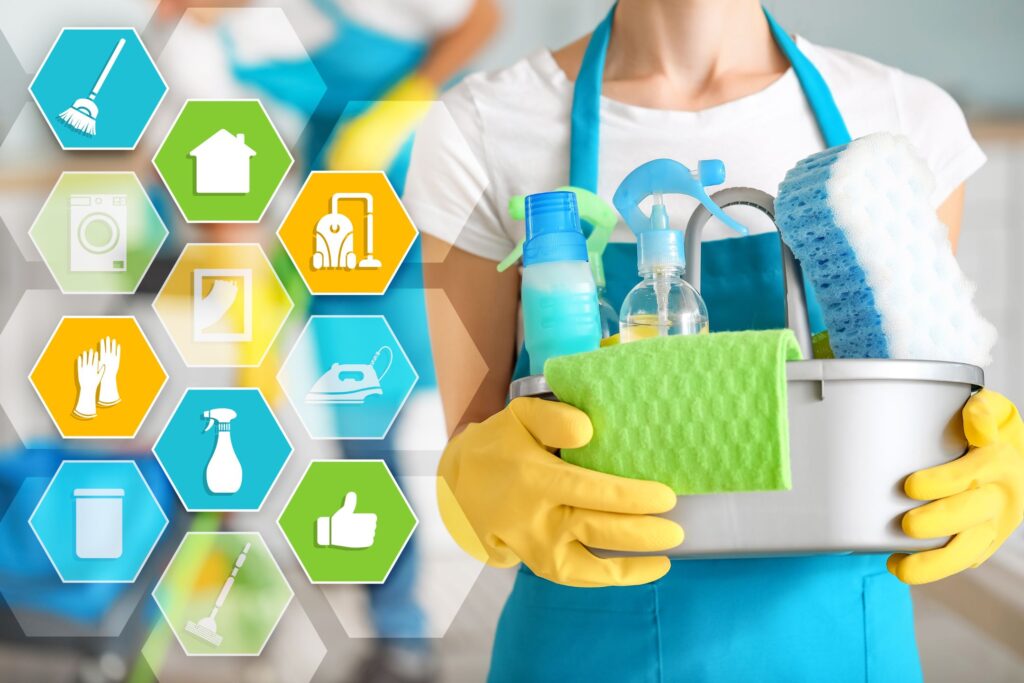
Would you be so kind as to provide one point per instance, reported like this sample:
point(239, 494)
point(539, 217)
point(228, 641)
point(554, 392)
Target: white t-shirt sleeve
point(446, 187)
point(934, 122)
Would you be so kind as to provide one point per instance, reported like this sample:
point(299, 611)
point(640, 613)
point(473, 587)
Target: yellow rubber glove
point(979, 498)
point(505, 498)
point(371, 140)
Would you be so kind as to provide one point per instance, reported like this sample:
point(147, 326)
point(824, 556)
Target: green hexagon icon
point(222, 161)
point(222, 593)
point(347, 521)
point(98, 233)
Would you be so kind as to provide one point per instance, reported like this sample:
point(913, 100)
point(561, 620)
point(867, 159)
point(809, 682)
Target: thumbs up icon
point(347, 528)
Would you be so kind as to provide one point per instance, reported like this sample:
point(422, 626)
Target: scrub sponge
point(859, 219)
point(704, 413)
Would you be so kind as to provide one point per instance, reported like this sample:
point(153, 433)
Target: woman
point(685, 79)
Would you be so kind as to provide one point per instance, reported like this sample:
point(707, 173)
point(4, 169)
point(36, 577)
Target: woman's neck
point(685, 54)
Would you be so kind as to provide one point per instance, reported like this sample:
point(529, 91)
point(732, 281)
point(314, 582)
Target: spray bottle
point(602, 218)
point(560, 312)
point(224, 471)
point(664, 303)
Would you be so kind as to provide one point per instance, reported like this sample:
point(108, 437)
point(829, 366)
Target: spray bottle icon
point(224, 471)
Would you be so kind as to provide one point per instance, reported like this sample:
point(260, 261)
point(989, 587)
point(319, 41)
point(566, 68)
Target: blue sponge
point(859, 218)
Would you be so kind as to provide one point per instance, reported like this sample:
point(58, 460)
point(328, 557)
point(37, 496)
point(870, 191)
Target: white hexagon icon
point(347, 376)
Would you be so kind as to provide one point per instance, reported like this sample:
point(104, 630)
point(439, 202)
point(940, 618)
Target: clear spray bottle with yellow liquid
point(664, 304)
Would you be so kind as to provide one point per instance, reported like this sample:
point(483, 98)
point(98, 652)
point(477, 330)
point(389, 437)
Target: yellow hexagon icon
point(222, 305)
point(347, 232)
point(98, 377)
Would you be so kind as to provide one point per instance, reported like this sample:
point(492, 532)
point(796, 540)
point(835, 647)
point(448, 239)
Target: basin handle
point(795, 299)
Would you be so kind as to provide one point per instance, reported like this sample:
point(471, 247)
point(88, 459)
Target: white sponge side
point(879, 193)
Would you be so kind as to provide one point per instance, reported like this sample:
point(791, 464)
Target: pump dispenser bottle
point(560, 310)
point(602, 218)
point(664, 304)
point(224, 471)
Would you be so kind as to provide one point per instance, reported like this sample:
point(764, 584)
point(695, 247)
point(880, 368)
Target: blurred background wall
point(971, 627)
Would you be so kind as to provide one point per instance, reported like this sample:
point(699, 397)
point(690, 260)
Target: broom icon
point(82, 114)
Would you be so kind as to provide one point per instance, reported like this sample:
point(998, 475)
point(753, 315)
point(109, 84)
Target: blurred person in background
point(365, 52)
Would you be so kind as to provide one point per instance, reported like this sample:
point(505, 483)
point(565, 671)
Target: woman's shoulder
point(851, 75)
point(530, 78)
point(874, 96)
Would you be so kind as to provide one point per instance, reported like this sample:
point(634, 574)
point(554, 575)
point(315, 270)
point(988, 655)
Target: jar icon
point(98, 523)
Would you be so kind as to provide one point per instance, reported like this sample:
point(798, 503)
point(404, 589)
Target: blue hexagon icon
point(98, 88)
point(347, 376)
point(222, 449)
point(98, 521)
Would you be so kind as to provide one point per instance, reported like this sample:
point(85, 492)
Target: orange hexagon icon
point(98, 377)
point(347, 232)
point(222, 305)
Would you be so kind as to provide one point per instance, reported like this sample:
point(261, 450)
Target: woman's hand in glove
point(505, 498)
point(978, 498)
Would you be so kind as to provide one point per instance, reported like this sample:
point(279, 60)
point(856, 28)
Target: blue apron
point(814, 618)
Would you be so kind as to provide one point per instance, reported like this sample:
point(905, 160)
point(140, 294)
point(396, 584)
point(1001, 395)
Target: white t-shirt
point(508, 134)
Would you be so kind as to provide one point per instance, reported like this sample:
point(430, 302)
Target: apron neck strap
point(823, 105)
point(585, 138)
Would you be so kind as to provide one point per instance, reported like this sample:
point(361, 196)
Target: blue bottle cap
point(553, 231)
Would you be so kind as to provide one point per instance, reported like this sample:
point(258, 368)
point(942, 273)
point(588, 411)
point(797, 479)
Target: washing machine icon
point(98, 232)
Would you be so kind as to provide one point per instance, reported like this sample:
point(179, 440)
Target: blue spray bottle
point(664, 303)
point(560, 311)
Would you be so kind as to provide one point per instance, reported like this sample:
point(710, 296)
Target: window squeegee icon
point(351, 383)
point(206, 628)
point(334, 237)
point(222, 305)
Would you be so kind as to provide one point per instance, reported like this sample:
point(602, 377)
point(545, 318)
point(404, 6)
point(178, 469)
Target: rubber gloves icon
point(110, 359)
point(89, 372)
point(347, 528)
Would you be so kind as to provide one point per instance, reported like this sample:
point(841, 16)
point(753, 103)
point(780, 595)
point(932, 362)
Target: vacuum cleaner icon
point(334, 237)
point(351, 383)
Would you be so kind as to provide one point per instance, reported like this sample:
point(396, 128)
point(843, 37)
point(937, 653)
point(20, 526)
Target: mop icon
point(206, 629)
point(83, 113)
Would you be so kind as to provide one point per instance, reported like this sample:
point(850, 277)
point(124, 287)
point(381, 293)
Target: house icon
point(222, 164)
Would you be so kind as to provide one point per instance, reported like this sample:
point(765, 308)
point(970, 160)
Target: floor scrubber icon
point(334, 239)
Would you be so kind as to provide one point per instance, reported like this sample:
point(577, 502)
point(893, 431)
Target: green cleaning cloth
point(703, 414)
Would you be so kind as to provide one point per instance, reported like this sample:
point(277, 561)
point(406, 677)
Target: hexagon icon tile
point(98, 521)
point(222, 161)
point(98, 233)
point(347, 376)
point(347, 232)
point(42, 604)
point(222, 449)
point(222, 594)
point(347, 521)
point(223, 305)
point(98, 88)
point(98, 377)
